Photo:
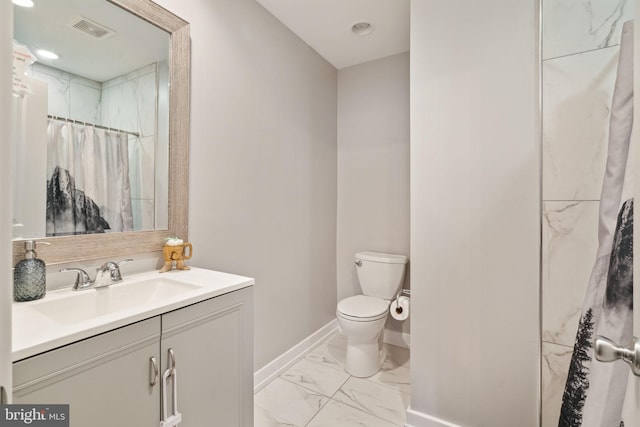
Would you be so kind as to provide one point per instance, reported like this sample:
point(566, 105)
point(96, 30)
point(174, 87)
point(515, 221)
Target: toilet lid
point(362, 306)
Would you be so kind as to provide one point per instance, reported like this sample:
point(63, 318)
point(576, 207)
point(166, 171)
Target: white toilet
point(361, 318)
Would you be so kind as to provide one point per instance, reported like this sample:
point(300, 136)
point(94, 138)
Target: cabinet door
point(104, 379)
point(212, 343)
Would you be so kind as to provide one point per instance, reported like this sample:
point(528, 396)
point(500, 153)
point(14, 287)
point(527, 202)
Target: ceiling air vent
point(92, 28)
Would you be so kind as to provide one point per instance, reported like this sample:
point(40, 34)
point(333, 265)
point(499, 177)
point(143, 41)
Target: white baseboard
point(397, 338)
point(419, 419)
point(264, 375)
point(271, 370)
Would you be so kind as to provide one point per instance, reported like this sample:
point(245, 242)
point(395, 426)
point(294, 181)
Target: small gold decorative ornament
point(175, 251)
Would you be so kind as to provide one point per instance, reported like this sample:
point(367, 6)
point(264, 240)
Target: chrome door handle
point(608, 351)
point(153, 371)
point(172, 362)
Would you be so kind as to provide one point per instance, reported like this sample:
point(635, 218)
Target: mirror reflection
point(91, 136)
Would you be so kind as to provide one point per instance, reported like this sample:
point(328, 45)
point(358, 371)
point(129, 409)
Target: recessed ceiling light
point(362, 28)
point(23, 3)
point(47, 54)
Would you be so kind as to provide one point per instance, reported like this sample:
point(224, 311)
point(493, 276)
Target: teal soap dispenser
point(30, 275)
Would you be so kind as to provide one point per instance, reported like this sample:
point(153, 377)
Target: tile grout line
point(388, 387)
point(568, 55)
point(378, 384)
point(306, 388)
point(350, 406)
point(332, 398)
point(328, 400)
point(318, 411)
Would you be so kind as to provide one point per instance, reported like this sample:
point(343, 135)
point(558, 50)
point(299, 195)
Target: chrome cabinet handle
point(172, 362)
point(608, 351)
point(173, 417)
point(153, 371)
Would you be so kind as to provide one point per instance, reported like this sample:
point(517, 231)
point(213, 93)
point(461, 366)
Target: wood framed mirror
point(65, 249)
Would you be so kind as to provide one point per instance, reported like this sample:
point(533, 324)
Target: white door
point(6, 279)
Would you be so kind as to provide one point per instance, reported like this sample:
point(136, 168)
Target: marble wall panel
point(120, 107)
point(70, 96)
point(575, 26)
point(129, 101)
point(85, 101)
point(136, 74)
point(147, 101)
point(58, 88)
point(570, 241)
point(577, 93)
point(555, 367)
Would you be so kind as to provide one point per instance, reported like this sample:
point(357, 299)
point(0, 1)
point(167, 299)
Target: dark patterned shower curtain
point(594, 392)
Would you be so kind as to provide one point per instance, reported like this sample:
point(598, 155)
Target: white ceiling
point(48, 25)
point(325, 25)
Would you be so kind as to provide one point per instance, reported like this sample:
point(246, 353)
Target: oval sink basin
point(91, 303)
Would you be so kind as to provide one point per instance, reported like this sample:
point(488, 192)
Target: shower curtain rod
point(64, 119)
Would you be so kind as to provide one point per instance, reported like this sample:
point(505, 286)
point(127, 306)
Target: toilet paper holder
point(406, 292)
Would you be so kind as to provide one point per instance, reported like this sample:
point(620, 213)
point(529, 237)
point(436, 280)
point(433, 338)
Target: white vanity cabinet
point(212, 343)
point(106, 379)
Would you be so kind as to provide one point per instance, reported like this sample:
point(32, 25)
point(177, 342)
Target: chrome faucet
point(83, 281)
point(107, 274)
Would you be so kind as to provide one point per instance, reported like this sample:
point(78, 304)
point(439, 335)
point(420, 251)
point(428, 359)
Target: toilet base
point(364, 359)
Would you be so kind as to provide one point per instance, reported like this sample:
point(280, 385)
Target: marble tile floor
point(316, 392)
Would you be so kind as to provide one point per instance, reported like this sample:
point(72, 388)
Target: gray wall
point(263, 166)
point(475, 213)
point(373, 165)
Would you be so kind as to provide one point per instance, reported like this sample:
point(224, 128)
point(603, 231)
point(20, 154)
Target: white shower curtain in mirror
point(88, 188)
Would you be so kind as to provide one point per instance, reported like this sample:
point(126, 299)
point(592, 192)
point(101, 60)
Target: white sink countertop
point(64, 316)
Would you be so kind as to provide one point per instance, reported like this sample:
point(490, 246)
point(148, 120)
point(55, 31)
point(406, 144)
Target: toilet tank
point(380, 275)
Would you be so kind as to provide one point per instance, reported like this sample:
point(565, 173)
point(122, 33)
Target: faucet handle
point(107, 266)
point(114, 268)
point(123, 261)
point(83, 281)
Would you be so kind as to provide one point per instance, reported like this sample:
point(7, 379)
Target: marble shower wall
point(71, 96)
point(127, 102)
point(130, 102)
point(580, 52)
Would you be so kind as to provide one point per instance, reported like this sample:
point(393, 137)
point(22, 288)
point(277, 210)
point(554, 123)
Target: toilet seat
point(363, 308)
